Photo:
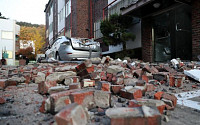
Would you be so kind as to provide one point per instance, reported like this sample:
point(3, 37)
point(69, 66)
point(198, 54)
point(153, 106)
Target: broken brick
point(133, 93)
point(116, 88)
point(158, 95)
point(74, 86)
point(150, 87)
point(2, 100)
point(148, 102)
point(73, 114)
point(84, 98)
point(3, 83)
point(170, 97)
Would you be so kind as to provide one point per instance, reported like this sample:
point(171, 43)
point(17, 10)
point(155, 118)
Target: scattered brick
point(73, 114)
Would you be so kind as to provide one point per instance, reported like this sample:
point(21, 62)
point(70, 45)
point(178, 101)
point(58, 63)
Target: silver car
point(65, 48)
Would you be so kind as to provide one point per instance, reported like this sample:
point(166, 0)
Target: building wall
point(82, 18)
point(7, 39)
point(195, 29)
point(147, 48)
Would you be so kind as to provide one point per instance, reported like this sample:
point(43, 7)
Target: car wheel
point(57, 56)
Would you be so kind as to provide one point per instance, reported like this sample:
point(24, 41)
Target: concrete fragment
point(56, 89)
point(194, 73)
point(148, 102)
point(102, 99)
point(88, 83)
point(114, 69)
point(134, 116)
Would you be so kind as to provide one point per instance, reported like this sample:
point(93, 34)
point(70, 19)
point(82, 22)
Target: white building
point(8, 31)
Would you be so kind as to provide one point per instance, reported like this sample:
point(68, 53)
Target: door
point(172, 34)
point(183, 32)
point(162, 41)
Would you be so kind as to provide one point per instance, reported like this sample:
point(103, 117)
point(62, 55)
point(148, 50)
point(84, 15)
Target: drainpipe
point(71, 18)
point(107, 7)
point(91, 36)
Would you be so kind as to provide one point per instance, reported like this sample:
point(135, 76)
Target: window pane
point(7, 35)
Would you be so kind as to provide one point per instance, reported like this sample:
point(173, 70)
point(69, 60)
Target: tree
point(38, 38)
point(115, 30)
point(28, 52)
point(35, 34)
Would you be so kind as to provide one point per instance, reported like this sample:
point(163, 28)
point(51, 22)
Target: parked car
point(65, 48)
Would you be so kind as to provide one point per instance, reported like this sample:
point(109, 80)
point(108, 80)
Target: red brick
point(73, 114)
point(2, 100)
point(103, 76)
point(137, 73)
point(3, 83)
point(60, 99)
point(42, 107)
point(106, 86)
point(171, 80)
point(80, 67)
point(150, 87)
point(74, 86)
point(132, 116)
point(81, 96)
point(158, 95)
point(148, 102)
point(116, 88)
point(131, 94)
point(11, 83)
point(170, 97)
point(43, 87)
point(109, 77)
point(147, 77)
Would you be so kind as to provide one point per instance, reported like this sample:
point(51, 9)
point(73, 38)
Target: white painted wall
point(50, 23)
point(7, 41)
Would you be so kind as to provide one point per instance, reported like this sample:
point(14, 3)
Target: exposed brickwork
point(195, 29)
point(147, 48)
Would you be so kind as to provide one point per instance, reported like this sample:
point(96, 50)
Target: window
point(68, 8)
point(7, 35)
point(97, 31)
point(50, 28)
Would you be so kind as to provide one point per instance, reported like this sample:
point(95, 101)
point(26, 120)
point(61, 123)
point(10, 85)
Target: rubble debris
point(194, 73)
point(103, 90)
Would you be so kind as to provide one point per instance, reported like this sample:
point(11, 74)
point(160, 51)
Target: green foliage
point(27, 24)
point(115, 31)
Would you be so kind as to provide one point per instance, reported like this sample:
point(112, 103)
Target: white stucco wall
point(7, 38)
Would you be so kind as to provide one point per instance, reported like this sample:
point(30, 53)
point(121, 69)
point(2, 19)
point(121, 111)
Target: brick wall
point(147, 48)
point(98, 9)
point(195, 29)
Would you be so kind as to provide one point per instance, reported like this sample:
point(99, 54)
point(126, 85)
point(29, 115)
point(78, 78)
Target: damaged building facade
point(170, 28)
point(72, 18)
point(165, 29)
point(82, 18)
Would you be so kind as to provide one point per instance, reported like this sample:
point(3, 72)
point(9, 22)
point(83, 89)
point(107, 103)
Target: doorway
point(172, 34)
